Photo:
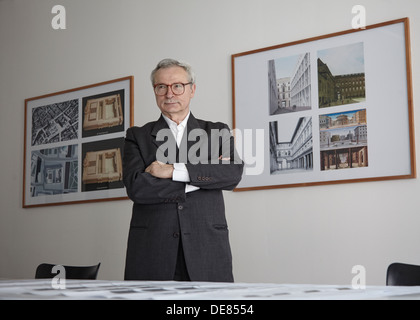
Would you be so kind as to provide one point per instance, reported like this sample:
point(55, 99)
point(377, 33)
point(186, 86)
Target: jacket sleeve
point(142, 187)
point(225, 167)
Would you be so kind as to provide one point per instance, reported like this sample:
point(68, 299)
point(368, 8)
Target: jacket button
point(176, 235)
point(180, 207)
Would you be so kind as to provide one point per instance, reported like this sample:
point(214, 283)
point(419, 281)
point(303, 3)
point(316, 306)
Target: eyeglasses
point(177, 88)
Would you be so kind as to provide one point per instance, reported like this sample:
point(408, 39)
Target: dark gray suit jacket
point(163, 212)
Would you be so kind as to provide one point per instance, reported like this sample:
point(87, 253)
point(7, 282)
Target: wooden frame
point(331, 109)
point(73, 144)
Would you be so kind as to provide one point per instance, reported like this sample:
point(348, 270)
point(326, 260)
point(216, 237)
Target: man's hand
point(160, 170)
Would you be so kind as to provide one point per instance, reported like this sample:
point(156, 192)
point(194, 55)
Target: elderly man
point(174, 170)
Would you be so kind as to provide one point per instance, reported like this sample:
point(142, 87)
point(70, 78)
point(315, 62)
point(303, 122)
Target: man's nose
point(169, 93)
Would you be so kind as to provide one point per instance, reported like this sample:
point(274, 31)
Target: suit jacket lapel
point(195, 133)
point(163, 138)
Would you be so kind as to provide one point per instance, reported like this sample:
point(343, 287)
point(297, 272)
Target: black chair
point(44, 271)
point(402, 274)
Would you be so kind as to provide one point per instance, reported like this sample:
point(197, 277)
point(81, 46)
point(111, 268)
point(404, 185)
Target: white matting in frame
point(334, 109)
point(74, 142)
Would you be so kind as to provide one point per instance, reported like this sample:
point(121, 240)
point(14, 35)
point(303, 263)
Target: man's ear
point(193, 87)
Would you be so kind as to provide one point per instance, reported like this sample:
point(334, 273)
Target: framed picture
point(326, 110)
point(73, 145)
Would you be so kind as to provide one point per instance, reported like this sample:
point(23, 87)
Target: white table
point(170, 290)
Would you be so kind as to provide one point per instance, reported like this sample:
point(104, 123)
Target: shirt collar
point(173, 125)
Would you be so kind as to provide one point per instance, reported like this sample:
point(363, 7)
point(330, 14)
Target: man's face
point(175, 107)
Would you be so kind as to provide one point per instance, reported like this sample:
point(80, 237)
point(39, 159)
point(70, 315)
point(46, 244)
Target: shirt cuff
point(181, 174)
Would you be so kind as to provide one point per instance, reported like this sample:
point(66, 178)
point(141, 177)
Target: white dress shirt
point(180, 170)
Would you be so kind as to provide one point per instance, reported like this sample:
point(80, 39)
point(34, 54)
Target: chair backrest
point(402, 274)
point(44, 271)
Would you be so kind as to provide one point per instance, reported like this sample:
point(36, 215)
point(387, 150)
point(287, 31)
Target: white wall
point(301, 235)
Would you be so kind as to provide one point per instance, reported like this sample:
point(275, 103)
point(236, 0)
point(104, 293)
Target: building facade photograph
point(290, 84)
point(341, 75)
point(343, 140)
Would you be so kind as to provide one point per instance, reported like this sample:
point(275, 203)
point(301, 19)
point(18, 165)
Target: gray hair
point(167, 63)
